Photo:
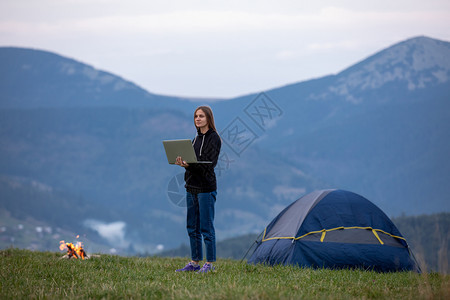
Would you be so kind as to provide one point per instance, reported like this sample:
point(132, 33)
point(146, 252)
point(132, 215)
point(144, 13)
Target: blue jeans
point(200, 222)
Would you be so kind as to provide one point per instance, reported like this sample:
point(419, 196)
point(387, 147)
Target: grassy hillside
point(26, 274)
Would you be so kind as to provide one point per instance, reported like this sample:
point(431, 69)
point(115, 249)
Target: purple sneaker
point(190, 267)
point(206, 268)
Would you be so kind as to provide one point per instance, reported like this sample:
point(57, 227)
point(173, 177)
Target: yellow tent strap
point(323, 235)
point(323, 231)
point(376, 235)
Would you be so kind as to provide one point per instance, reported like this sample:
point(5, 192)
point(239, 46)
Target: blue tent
point(334, 229)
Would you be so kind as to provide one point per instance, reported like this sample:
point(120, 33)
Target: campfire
point(76, 251)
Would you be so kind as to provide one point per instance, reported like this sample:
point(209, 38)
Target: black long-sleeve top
point(201, 178)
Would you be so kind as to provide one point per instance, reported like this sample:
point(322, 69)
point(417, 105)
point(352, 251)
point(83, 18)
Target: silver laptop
point(183, 148)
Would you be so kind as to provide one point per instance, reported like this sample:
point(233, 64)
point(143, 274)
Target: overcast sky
point(218, 48)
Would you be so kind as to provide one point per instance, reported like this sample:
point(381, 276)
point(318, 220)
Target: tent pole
point(255, 242)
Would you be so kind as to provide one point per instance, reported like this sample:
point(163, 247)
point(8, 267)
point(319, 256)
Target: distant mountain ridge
point(51, 80)
point(379, 128)
point(417, 63)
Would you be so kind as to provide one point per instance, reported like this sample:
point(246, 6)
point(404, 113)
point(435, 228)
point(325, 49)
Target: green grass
point(26, 274)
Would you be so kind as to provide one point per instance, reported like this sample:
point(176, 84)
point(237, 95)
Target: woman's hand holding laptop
point(179, 161)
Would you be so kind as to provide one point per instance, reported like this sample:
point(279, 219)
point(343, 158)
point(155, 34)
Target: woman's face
point(200, 119)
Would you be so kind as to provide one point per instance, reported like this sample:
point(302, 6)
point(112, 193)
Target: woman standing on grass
point(201, 191)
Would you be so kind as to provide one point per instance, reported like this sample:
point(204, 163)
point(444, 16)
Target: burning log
point(71, 251)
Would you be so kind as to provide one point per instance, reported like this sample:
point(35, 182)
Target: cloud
point(216, 21)
point(288, 192)
point(344, 44)
point(113, 232)
point(286, 54)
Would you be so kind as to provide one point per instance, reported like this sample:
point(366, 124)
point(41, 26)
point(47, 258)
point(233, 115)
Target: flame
point(76, 251)
point(78, 236)
point(62, 245)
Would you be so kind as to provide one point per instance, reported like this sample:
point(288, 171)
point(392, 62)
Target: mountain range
point(85, 145)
